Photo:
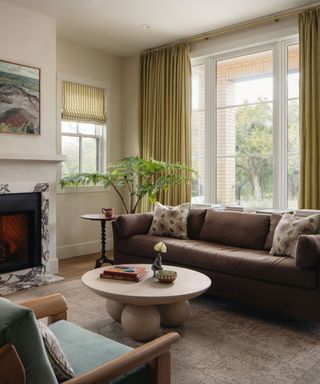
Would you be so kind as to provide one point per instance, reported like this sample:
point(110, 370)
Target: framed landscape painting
point(19, 99)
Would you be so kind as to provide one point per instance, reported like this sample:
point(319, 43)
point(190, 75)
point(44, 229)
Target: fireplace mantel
point(32, 157)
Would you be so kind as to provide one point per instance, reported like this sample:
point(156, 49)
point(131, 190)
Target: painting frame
point(20, 96)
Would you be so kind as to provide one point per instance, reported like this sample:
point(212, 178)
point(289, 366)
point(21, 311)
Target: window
point(83, 128)
point(244, 89)
point(82, 143)
point(245, 121)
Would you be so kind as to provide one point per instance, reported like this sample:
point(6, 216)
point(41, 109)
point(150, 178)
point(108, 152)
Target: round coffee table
point(141, 307)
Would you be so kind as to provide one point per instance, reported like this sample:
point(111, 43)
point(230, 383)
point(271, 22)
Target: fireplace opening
point(20, 231)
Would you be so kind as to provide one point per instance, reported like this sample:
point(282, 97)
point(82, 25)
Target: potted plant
point(132, 178)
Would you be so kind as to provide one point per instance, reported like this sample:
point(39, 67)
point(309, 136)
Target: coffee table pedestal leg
point(174, 315)
point(141, 323)
point(115, 309)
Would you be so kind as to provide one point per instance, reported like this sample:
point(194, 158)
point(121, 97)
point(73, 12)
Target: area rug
point(221, 343)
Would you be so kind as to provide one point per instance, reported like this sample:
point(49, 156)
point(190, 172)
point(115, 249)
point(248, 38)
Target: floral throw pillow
point(57, 357)
point(289, 229)
point(170, 222)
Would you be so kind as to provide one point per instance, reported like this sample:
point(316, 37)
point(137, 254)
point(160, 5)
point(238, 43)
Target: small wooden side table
point(103, 219)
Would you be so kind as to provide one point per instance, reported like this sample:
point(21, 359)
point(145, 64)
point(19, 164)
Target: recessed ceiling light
point(145, 26)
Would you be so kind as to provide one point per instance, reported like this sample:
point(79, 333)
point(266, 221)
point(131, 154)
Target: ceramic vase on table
point(157, 264)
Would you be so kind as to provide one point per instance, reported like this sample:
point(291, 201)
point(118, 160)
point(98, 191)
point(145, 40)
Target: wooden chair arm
point(53, 306)
point(11, 368)
point(156, 353)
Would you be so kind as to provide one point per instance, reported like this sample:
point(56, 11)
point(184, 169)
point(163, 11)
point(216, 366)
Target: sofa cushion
point(237, 229)
point(308, 251)
point(254, 264)
point(274, 221)
point(18, 327)
point(130, 225)
point(195, 222)
point(289, 229)
point(171, 222)
point(86, 350)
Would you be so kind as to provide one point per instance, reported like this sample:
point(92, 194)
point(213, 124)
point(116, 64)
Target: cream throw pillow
point(170, 222)
point(289, 229)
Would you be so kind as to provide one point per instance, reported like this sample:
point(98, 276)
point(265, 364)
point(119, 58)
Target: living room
point(217, 104)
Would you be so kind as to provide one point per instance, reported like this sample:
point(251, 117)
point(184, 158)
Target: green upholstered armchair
point(94, 358)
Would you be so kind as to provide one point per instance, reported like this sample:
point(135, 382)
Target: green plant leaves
point(134, 177)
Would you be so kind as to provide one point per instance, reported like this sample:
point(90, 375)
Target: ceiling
point(114, 26)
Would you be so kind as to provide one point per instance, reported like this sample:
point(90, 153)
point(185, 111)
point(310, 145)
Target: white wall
point(76, 236)
point(30, 38)
point(246, 38)
point(130, 106)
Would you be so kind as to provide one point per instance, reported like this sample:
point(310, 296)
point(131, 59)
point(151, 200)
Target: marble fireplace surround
point(18, 280)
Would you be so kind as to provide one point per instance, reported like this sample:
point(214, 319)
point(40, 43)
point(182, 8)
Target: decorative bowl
point(166, 276)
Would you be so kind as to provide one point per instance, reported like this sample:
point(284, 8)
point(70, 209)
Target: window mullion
point(277, 129)
point(210, 150)
point(80, 154)
point(283, 137)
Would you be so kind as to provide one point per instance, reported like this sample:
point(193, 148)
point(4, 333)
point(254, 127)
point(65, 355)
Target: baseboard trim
point(80, 249)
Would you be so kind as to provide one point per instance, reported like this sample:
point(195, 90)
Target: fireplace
point(20, 231)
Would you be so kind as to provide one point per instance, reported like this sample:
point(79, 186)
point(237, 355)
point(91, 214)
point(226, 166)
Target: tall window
point(250, 145)
point(83, 128)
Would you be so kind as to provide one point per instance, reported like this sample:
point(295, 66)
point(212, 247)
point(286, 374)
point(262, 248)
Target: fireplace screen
point(14, 238)
point(20, 231)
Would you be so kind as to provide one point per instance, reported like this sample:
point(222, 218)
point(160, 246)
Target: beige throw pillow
point(170, 222)
point(289, 229)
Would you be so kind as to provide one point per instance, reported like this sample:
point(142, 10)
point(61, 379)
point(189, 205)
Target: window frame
point(99, 139)
point(104, 149)
point(280, 117)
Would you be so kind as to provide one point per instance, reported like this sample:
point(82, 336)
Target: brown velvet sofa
point(232, 248)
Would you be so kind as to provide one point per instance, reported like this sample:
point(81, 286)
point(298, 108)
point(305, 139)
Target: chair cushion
point(250, 263)
point(85, 350)
point(237, 229)
point(18, 326)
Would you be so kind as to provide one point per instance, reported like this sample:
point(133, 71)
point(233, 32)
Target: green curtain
point(309, 39)
point(165, 113)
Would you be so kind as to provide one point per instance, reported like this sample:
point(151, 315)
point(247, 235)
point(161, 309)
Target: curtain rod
point(275, 17)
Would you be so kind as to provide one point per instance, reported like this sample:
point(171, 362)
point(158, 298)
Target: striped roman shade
point(83, 103)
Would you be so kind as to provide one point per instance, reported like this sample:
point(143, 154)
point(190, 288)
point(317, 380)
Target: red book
point(124, 270)
point(123, 276)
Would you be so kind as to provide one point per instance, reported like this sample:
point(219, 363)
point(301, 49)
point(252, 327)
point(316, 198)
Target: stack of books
point(124, 272)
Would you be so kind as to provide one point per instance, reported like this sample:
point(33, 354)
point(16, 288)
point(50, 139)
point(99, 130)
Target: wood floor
point(75, 267)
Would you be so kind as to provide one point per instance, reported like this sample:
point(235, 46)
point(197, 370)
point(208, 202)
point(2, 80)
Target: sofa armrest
point(133, 224)
point(156, 353)
point(54, 307)
point(308, 251)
